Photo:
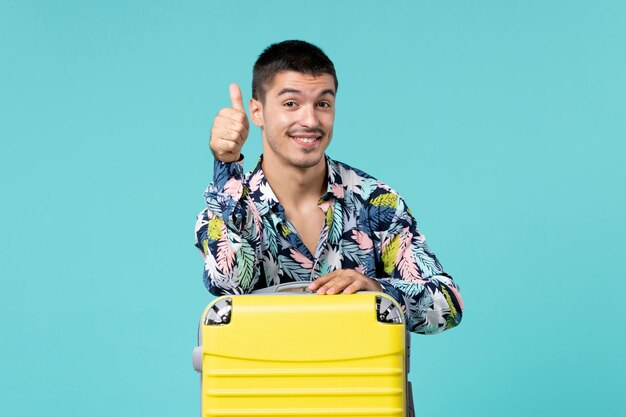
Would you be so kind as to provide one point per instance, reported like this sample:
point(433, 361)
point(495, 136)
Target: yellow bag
point(284, 353)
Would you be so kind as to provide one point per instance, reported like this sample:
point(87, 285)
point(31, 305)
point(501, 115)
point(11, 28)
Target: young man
point(299, 215)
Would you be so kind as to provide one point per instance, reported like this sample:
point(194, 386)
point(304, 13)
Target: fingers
point(225, 147)
point(235, 97)
point(315, 285)
point(227, 114)
point(354, 287)
point(344, 284)
point(229, 130)
point(347, 281)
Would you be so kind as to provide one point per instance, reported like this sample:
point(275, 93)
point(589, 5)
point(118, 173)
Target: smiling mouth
point(305, 139)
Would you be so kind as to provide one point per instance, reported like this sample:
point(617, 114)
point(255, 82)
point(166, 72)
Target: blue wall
point(501, 123)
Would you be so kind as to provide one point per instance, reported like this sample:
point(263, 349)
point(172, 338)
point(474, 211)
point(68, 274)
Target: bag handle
point(288, 287)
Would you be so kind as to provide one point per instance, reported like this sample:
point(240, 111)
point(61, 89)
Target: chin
point(307, 162)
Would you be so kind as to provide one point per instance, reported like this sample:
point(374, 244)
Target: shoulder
point(379, 208)
point(342, 169)
point(366, 186)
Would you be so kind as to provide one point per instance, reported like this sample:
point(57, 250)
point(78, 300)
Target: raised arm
point(225, 233)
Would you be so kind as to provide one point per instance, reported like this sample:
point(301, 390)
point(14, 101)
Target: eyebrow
point(298, 92)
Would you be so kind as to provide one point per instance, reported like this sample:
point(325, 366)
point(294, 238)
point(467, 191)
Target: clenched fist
point(230, 129)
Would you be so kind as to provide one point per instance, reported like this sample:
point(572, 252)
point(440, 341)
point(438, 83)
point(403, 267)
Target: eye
point(324, 104)
point(290, 104)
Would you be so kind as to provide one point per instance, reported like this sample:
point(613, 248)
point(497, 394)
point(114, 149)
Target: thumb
point(235, 97)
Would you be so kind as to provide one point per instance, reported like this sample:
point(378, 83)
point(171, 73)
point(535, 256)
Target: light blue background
point(500, 122)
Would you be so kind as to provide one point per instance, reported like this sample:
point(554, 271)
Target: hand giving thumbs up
point(230, 129)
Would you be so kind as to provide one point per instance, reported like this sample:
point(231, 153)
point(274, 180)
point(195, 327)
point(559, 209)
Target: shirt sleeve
point(226, 234)
point(414, 277)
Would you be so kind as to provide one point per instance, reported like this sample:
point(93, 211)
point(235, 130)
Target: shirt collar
point(259, 189)
point(261, 192)
point(334, 186)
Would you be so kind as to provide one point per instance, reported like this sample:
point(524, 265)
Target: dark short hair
point(293, 55)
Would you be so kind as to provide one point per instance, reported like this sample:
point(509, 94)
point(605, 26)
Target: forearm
point(430, 307)
point(230, 265)
point(414, 277)
point(224, 238)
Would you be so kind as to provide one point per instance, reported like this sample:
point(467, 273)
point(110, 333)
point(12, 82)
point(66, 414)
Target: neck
point(292, 185)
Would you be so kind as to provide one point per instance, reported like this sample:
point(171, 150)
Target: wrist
point(225, 171)
point(227, 160)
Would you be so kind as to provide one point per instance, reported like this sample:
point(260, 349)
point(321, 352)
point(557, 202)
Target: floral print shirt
point(248, 243)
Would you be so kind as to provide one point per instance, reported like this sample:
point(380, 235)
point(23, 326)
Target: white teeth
point(305, 140)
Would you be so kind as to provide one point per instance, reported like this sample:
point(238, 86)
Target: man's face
point(297, 118)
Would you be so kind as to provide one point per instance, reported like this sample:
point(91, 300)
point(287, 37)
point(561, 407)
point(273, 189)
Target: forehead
point(306, 83)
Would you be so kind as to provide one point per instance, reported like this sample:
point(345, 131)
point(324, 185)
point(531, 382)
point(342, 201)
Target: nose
point(308, 117)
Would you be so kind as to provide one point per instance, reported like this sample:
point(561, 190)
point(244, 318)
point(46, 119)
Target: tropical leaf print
point(427, 263)
point(329, 215)
point(333, 258)
point(354, 205)
point(368, 185)
point(285, 230)
point(223, 172)
point(405, 241)
point(304, 262)
point(267, 195)
point(212, 271)
point(349, 220)
point(455, 291)
point(435, 316)
point(407, 288)
point(272, 271)
point(269, 240)
point(390, 252)
point(408, 268)
point(249, 243)
point(379, 217)
point(255, 214)
point(205, 248)
point(322, 242)
point(362, 239)
point(385, 200)
point(324, 267)
point(405, 262)
point(350, 179)
point(333, 173)
point(245, 265)
point(293, 269)
point(337, 190)
point(202, 222)
point(216, 203)
point(233, 188)
point(336, 226)
point(225, 255)
point(352, 251)
point(255, 181)
point(449, 302)
point(424, 302)
point(216, 225)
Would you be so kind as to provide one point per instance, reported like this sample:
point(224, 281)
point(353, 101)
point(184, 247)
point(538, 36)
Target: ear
point(256, 112)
